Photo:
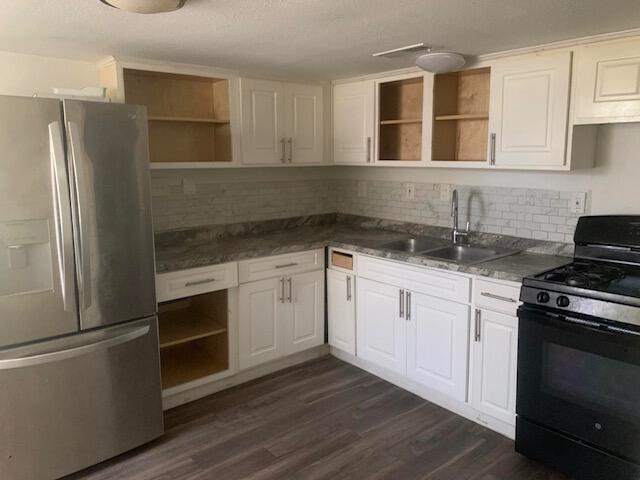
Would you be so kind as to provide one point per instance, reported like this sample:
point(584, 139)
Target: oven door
point(582, 378)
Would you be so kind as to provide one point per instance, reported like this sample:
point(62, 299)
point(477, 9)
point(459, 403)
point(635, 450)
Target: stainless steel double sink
point(438, 249)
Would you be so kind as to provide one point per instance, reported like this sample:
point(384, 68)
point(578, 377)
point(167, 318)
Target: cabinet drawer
point(437, 283)
point(278, 265)
point(498, 297)
point(194, 281)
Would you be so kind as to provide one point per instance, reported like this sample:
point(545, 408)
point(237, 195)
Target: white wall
point(31, 74)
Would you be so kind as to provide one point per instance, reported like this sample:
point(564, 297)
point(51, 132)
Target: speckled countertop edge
point(365, 240)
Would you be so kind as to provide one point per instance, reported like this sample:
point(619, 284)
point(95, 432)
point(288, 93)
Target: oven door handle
point(599, 326)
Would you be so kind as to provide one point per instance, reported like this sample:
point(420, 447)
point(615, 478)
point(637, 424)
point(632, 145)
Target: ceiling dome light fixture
point(146, 6)
point(440, 62)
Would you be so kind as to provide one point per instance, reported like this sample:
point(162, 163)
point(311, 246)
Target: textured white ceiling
point(302, 39)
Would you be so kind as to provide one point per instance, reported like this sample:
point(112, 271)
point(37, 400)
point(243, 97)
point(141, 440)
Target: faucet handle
point(467, 226)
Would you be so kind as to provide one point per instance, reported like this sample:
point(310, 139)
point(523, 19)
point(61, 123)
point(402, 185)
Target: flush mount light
point(146, 6)
point(440, 62)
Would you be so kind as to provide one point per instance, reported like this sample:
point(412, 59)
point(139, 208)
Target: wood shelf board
point(183, 326)
point(400, 121)
point(189, 120)
point(185, 363)
point(464, 116)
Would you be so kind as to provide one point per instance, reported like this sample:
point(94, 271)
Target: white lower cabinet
point(341, 310)
point(494, 365)
point(437, 344)
point(382, 332)
point(280, 316)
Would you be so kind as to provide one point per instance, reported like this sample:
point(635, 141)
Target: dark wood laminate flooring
point(324, 419)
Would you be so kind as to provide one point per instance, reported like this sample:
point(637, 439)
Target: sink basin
point(468, 254)
point(414, 245)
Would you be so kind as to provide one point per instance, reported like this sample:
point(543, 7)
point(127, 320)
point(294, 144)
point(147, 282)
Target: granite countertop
point(191, 253)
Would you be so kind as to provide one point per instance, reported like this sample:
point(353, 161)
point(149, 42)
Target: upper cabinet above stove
point(608, 82)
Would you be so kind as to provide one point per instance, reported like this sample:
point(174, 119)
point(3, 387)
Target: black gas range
point(578, 398)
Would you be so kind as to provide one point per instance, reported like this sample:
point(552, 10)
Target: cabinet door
point(437, 344)
point(263, 133)
point(341, 311)
point(382, 332)
point(261, 334)
point(529, 104)
point(353, 117)
point(303, 112)
point(304, 318)
point(608, 82)
point(494, 362)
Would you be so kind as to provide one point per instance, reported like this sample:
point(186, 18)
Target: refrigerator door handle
point(62, 214)
point(118, 338)
point(84, 258)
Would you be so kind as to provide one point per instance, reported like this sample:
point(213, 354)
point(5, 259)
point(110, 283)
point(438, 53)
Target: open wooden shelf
point(399, 122)
point(464, 116)
point(400, 130)
point(191, 361)
point(188, 115)
point(194, 337)
point(461, 121)
point(188, 120)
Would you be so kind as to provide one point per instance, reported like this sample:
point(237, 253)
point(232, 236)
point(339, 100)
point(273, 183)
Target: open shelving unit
point(188, 115)
point(461, 115)
point(400, 120)
point(194, 337)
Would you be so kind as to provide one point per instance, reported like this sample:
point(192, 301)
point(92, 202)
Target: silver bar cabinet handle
point(401, 303)
point(283, 158)
point(62, 213)
point(290, 141)
point(84, 257)
point(408, 305)
point(285, 265)
point(281, 290)
point(348, 288)
point(368, 149)
point(493, 149)
point(498, 297)
point(290, 290)
point(199, 282)
point(478, 324)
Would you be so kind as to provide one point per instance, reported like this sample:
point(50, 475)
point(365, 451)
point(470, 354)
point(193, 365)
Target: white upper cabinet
point(281, 123)
point(353, 118)
point(263, 132)
point(437, 344)
point(303, 119)
point(528, 110)
point(607, 80)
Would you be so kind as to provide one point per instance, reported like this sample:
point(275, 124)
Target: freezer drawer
point(72, 402)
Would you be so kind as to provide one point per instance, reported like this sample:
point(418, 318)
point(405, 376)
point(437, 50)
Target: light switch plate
point(445, 192)
point(409, 191)
point(578, 201)
point(362, 188)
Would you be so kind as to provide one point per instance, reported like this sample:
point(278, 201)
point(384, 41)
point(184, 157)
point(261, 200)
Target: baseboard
point(185, 396)
point(461, 408)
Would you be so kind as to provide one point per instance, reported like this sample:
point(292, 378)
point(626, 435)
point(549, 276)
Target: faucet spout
point(456, 233)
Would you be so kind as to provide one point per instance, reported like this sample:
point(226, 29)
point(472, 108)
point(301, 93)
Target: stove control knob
point(563, 301)
point(542, 297)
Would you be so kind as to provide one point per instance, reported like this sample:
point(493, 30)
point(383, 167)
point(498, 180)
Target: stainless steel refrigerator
point(79, 362)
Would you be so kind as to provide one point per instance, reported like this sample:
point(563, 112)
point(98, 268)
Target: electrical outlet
point(409, 191)
point(445, 192)
point(188, 186)
point(577, 204)
point(362, 188)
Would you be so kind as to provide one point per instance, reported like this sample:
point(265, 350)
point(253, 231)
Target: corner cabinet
point(341, 310)
point(353, 118)
point(528, 108)
point(607, 79)
point(281, 123)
